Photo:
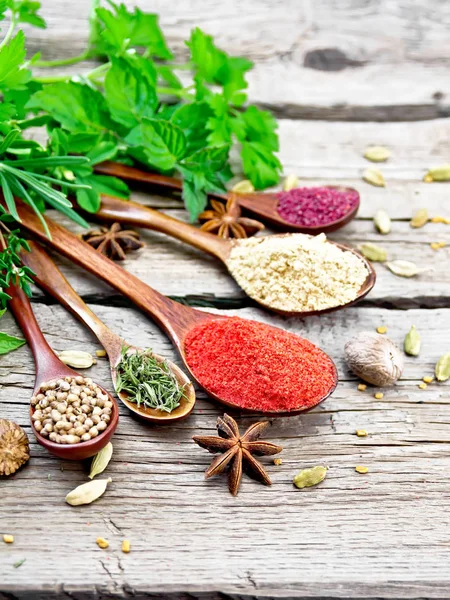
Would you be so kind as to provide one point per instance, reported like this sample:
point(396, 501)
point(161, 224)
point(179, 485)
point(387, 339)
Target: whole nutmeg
point(14, 448)
point(374, 358)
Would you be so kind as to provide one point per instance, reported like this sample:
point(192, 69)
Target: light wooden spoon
point(49, 277)
point(176, 320)
point(48, 368)
point(113, 209)
point(262, 204)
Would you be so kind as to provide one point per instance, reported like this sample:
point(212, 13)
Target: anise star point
point(237, 451)
point(226, 220)
point(114, 241)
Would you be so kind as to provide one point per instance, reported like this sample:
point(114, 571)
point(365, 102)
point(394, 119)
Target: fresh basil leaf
point(163, 142)
point(192, 119)
point(102, 151)
point(88, 200)
point(79, 108)
point(111, 186)
point(208, 160)
point(169, 77)
point(260, 165)
point(8, 343)
point(130, 95)
point(13, 74)
point(81, 143)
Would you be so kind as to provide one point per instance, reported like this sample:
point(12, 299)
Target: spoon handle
point(49, 277)
point(113, 209)
point(116, 169)
point(172, 317)
point(48, 365)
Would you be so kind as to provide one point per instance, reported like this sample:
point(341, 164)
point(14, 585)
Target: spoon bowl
point(49, 278)
point(48, 368)
point(175, 319)
point(113, 209)
point(261, 204)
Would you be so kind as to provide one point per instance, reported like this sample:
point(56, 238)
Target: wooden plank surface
point(380, 535)
point(314, 59)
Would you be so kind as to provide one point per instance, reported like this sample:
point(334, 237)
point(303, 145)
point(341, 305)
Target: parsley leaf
point(129, 93)
point(13, 75)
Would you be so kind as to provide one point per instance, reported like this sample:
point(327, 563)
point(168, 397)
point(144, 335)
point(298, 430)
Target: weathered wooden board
point(358, 61)
point(251, 545)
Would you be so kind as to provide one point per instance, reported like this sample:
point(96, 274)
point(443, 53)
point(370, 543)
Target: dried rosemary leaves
point(147, 381)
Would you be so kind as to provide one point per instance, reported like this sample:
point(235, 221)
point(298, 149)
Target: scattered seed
point(373, 252)
point(102, 543)
point(126, 546)
point(101, 460)
point(377, 153)
point(441, 173)
point(310, 477)
point(423, 386)
point(361, 432)
point(405, 268)
point(19, 563)
point(437, 245)
point(379, 395)
point(362, 387)
point(8, 539)
point(243, 187)
point(277, 461)
point(382, 329)
point(78, 359)
point(445, 220)
point(411, 344)
point(428, 379)
point(382, 221)
point(442, 369)
point(374, 177)
point(291, 182)
point(361, 469)
point(419, 219)
point(100, 353)
point(428, 179)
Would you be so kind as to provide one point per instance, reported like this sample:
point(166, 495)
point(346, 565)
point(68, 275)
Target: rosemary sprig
point(148, 382)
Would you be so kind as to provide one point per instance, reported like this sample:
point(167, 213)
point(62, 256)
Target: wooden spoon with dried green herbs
point(149, 385)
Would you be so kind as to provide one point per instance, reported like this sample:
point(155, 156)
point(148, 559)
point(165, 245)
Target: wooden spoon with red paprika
point(262, 363)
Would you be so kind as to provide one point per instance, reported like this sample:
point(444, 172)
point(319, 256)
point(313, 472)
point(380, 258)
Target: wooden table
point(339, 76)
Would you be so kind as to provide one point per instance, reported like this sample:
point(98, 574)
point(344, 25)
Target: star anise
point(237, 451)
point(113, 242)
point(226, 220)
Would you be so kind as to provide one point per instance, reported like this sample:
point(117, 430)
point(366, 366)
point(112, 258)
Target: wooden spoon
point(48, 368)
point(177, 320)
point(113, 209)
point(262, 204)
point(49, 277)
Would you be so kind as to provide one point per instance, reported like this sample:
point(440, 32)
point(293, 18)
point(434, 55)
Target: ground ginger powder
point(296, 272)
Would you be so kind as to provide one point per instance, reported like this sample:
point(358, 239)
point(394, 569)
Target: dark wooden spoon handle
point(48, 365)
point(172, 317)
point(49, 278)
point(113, 209)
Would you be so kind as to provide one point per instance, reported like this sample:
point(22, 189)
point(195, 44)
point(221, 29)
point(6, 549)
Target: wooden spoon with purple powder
point(289, 211)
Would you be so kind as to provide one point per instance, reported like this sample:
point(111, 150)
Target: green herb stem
point(63, 62)
point(9, 33)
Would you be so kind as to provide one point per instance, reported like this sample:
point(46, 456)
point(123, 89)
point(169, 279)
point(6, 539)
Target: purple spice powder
point(315, 206)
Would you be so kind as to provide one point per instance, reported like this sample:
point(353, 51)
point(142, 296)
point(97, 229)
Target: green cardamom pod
point(382, 221)
point(243, 187)
point(373, 252)
point(442, 369)
point(438, 174)
point(412, 342)
point(374, 177)
point(101, 460)
point(419, 219)
point(78, 359)
point(88, 492)
point(377, 153)
point(291, 182)
point(404, 268)
point(310, 477)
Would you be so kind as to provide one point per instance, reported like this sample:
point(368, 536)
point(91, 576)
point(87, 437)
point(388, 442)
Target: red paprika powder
point(259, 367)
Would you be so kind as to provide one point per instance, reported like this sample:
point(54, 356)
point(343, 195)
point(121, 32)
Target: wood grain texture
point(370, 521)
point(313, 59)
